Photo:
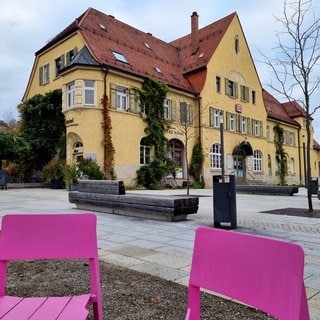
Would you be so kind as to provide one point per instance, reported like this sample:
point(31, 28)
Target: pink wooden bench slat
point(262, 272)
point(58, 307)
point(7, 303)
point(24, 309)
point(73, 311)
point(50, 236)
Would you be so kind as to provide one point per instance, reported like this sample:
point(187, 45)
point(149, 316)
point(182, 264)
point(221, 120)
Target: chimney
point(194, 32)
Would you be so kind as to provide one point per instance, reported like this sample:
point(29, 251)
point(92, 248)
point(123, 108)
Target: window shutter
point(235, 90)
point(247, 94)
point(211, 117)
point(183, 112)
point(173, 110)
point(47, 73)
point(248, 125)
point(238, 123)
point(261, 129)
point(228, 121)
point(113, 94)
point(132, 101)
point(41, 76)
point(226, 82)
point(190, 114)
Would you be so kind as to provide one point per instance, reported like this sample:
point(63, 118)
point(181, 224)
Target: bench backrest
point(51, 236)
point(262, 272)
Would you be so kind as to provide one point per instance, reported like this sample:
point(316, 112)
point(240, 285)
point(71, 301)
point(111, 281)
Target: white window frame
point(256, 128)
point(257, 160)
point(89, 92)
point(71, 94)
point(121, 98)
point(215, 117)
point(145, 153)
point(232, 121)
point(215, 156)
point(166, 108)
point(243, 124)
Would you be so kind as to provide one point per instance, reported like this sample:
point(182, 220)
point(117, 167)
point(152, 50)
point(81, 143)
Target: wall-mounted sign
point(238, 107)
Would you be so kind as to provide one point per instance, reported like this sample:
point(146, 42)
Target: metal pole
point(304, 164)
point(222, 147)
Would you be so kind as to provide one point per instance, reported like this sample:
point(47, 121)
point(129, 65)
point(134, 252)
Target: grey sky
point(26, 26)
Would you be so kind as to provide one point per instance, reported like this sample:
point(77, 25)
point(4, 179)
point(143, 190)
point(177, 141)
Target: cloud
point(26, 26)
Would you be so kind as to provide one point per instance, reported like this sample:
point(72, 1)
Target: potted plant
point(53, 172)
point(71, 176)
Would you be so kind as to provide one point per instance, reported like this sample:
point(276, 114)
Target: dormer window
point(120, 57)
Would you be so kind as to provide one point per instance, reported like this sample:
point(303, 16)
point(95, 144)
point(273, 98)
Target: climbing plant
point(151, 96)
point(196, 163)
point(281, 155)
point(107, 141)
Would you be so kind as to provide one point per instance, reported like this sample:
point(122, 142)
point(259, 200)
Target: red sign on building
point(238, 107)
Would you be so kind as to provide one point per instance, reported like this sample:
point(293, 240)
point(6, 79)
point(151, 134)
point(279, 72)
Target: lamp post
point(222, 146)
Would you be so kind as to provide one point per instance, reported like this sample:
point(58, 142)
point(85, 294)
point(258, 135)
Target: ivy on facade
point(281, 155)
point(107, 141)
point(151, 97)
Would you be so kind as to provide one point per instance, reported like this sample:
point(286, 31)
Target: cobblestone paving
point(288, 226)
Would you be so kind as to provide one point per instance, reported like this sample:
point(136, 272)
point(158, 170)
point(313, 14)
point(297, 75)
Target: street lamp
point(222, 146)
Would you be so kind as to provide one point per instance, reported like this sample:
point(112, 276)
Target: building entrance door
point(238, 168)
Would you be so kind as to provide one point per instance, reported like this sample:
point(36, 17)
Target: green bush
point(90, 169)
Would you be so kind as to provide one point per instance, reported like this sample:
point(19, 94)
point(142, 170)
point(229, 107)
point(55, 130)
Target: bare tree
point(296, 67)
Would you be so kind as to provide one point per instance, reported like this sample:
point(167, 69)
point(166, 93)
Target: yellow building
point(212, 81)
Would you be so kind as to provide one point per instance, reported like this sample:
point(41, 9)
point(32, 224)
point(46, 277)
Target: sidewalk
point(164, 249)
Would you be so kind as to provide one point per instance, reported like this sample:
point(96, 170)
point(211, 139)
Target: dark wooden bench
point(109, 196)
point(267, 190)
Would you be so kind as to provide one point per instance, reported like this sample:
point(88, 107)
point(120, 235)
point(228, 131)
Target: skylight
point(147, 45)
point(102, 26)
point(120, 57)
point(201, 55)
point(158, 70)
point(174, 76)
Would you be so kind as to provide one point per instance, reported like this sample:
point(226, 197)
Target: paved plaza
point(164, 249)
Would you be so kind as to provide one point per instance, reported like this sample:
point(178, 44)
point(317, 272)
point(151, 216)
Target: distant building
point(211, 78)
point(3, 126)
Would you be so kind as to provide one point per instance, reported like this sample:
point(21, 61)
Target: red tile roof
point(209, 39)
point(146, 54)
point(276, 110)
point(294, 109)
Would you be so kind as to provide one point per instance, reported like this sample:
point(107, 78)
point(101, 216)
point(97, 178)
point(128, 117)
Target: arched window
point(236, 44)
point(257, 160)
point(215, 156)
point(292, 171)
point(145, 152)
point(176, 152)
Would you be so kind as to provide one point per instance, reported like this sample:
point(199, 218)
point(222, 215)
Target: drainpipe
point(105, 69)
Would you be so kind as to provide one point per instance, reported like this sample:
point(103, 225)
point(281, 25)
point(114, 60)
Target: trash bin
point(224, 201)
point(314, 186)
